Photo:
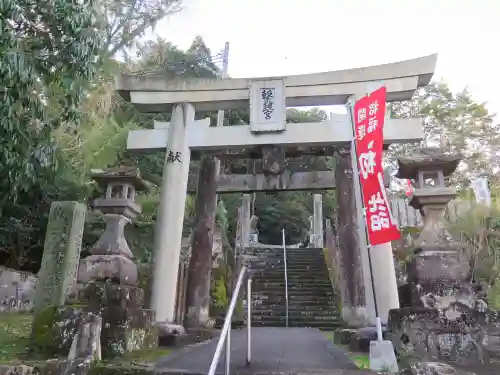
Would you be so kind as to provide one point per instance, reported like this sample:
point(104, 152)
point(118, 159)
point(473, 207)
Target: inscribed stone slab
point(61, 253)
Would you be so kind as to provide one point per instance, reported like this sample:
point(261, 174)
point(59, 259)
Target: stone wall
point(17, 290)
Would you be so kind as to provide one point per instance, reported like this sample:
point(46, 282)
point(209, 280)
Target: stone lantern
point(107, 277)
point(437, 265)
point(110, 258)
point(447, 320)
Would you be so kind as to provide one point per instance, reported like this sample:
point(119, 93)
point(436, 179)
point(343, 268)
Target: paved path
point(273, 350)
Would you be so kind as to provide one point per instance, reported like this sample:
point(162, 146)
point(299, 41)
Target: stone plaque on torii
point(184, 134)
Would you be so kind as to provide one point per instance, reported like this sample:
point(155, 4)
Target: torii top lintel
point(155, 93)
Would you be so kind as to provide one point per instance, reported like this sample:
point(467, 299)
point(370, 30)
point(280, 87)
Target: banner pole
point(363, 233)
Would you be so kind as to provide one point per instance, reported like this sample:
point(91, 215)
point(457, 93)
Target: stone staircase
point(311, 301)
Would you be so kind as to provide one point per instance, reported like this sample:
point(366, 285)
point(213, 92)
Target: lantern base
point(115, 268)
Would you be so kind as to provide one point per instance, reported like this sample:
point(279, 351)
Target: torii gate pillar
point(170, 215)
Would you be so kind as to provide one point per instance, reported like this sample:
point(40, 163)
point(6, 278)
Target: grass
point(138, 358)
point(15, 330)
point(362, 360)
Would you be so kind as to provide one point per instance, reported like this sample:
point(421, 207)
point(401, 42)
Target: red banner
point(369, 116)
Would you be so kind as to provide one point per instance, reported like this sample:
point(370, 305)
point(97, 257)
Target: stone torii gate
point(267, 99)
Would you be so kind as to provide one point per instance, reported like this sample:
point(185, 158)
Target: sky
point(283, 37)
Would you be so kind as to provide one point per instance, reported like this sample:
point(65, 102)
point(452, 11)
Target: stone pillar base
point(355, 316)
point(126, 326)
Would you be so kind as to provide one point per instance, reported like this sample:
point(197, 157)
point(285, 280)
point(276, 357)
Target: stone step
point(296, 291)
point(292, 301)
point(293, 268)
point(279, 252)
point(316, 292)
point(308, 299)
point(280, 281)
point(276, 283)
point(280, 300)
point(291, 279)
point(292, 284)
point(280, 249)
point(297, 313)
point(263, 288)
point(280, 305)
point(295, 301)
point(277, 302)
point(308, 275)
point(327, 326)
point(289, 258)
point(298, 318)
point(296, 309)
point(292, 289)
point(296, 269)
point(290, 276)
point(301, 271)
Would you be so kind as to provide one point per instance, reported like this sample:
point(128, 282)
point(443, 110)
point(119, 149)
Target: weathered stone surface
point(360, 340)
point(200, 266)
point(439, 272)
point(65, 367)
point(434, 368)
point(127, 327)
point(61, 254)
point(170, 329)
point(176, 335)
point(426, 159)
point(17, 370)
point(54, 328)
point(86, 344)
point(354, 303)
point(124, 327)
point(17, 290)
point(97, 295)
point(471, 337)
point(115, 268)
point(112, 241)
point(127, 330)
point(343, 336)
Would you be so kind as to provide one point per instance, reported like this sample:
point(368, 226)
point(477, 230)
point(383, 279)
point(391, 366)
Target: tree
point(50, 51)
point(455, 123)
point(124, 21)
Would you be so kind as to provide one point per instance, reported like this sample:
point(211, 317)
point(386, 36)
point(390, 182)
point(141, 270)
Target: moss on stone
point(54, 328)
point(42, 337)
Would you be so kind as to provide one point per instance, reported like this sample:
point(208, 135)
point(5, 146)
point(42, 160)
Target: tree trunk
point(200, 266)
point(353, 295)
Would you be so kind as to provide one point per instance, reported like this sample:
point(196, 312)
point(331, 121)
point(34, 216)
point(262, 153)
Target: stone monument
point(448, 320)
point(107, 282)
point(61, 252)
